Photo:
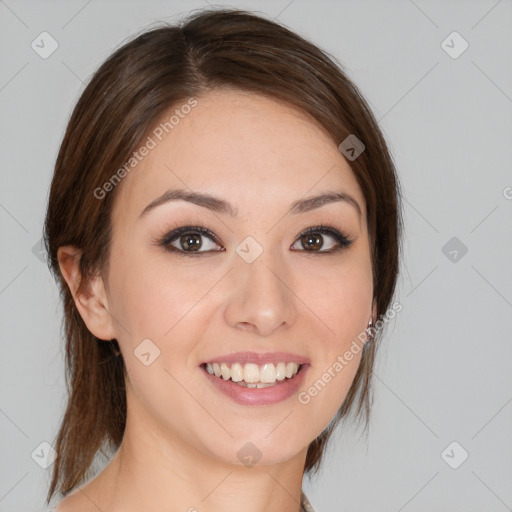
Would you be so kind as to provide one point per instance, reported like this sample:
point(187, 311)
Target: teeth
point(255, 385)
point(281, 371)
point(216, 369)
point(268, 373)
point(253, 375)
point(291, 370)
point(226, 372)
point(237, 372)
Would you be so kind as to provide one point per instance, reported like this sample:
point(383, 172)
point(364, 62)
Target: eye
point(313, 240)
point(188, 240)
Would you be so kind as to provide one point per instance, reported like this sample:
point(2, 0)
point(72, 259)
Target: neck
point(153, 471)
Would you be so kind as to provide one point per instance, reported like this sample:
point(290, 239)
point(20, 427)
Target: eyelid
point(175, 231)
point(341, 238)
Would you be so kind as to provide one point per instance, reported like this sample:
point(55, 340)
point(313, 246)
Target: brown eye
point(314, 239)
point(191, 241)
point(198, 240)
point(312, 242)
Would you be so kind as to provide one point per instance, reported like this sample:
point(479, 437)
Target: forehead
point(247, 148)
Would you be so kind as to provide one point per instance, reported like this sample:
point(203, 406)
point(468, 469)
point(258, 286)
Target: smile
point(251, 375)
point(256, 393)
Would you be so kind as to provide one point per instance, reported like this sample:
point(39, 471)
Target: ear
point(92, 301)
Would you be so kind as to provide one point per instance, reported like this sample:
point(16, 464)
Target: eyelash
point(176, 232)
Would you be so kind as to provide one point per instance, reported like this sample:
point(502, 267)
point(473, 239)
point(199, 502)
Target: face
point(255, 281)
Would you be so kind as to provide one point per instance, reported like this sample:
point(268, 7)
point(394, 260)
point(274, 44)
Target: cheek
point(348, 308)
point(341, 298)
point(326, 391)
point(151, 297)
point(342, 302)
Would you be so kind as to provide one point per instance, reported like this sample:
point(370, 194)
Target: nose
point(261, 300)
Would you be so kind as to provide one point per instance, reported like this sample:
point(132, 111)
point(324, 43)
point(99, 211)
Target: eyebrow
point(223, 207)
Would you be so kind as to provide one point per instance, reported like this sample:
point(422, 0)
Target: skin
point(182, 436)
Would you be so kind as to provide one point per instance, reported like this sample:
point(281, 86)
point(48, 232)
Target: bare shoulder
point(86, 497)
point(74, 502)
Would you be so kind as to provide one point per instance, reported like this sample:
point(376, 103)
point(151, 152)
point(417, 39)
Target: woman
point(224, 224)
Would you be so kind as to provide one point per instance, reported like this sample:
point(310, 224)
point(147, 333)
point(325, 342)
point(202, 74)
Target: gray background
point(444, 370)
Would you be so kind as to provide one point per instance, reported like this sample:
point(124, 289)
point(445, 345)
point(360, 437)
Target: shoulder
point(305, 505)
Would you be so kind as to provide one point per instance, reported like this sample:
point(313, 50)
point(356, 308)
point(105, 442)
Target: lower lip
point(262, 396)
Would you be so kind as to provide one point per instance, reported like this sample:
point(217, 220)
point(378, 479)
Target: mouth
point(255, 376)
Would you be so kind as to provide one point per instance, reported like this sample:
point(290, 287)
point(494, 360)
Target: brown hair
point(127, 95)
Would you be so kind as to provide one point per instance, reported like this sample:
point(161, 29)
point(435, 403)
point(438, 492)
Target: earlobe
point(91, 300)
point(370, 329)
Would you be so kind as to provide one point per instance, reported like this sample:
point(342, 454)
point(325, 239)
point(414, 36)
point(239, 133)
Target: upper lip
point(259, 358)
